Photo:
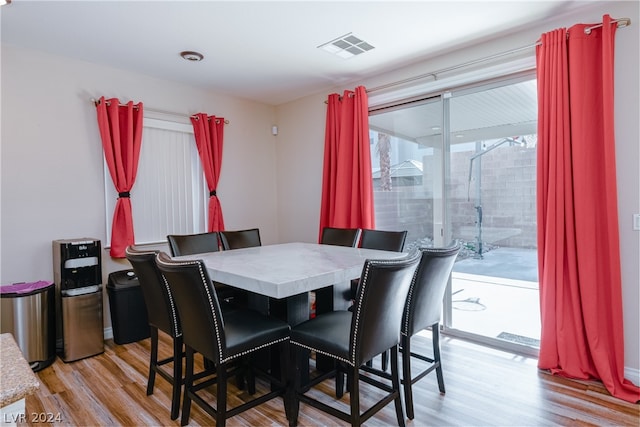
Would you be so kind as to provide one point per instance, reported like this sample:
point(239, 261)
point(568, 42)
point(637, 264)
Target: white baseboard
point(632, 375)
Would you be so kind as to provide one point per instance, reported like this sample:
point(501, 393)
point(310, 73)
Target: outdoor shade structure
point(476, 173)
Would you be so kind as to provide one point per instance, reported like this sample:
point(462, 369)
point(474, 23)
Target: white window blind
point(170, 193)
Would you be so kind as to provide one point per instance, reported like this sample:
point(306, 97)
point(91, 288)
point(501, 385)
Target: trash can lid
point(122, 279)
point(24, 287)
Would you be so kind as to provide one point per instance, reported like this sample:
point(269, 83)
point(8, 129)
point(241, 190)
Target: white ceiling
point(263, 50)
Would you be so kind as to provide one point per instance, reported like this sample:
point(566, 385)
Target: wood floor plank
point(485, 387)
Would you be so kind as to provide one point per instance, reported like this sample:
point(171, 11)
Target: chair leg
point(177, 376)
point(208, 364)
point(406, 374)
point(240, 383)
point(385, 360)
point(395, 382)
point(221, 396)
point(354, 397)
point(284, 377)
point(435, 333)
point(339, 381)
point(153, 359)
point(294, 386)
point(250, 376)
point(188, 383)
point(242, 374)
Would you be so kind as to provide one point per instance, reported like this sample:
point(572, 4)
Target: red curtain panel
point(331, 138)
point(347, 185)
point(120, 128)
point(209, 134)
point(578, 241)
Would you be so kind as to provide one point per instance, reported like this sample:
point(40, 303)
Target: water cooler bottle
point(77, 273)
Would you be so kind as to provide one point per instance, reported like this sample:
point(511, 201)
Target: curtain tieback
point(212, 193)
point(125, 194)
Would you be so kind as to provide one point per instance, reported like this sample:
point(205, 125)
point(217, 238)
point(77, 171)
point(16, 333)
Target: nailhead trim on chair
point(215, 322)
point(356, 313)
point(216, 326)
point(409, 313)
point(210, 299)
point(408, 303)
point(177, 330)
point(351, 362)
point(323, 352)
point(364, 283)
point(251, 350)
point(173, 308)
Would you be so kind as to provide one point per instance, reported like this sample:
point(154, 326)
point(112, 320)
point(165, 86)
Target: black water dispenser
point(77, 273)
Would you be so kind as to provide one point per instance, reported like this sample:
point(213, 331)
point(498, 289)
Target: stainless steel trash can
point(28, 313)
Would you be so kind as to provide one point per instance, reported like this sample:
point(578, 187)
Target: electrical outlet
point(636, 221)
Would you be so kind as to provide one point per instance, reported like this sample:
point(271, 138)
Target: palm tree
point(383, 148)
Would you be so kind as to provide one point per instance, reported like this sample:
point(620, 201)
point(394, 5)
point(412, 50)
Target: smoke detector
point(191, 56)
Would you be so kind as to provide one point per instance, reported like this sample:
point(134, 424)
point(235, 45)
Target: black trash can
point(126, 305)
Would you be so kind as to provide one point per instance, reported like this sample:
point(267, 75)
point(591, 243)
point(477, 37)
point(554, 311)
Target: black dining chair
point(193, 244)
point(340, 236)
point(221, 337)
point(162, 315)
point(423, 310)
point(348, 237)
point(189, 244)
point(238, 239)
point(385, 241)
point(352, 338)
point(380, 240)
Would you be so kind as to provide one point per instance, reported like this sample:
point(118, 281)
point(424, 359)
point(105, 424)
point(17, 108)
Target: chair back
point(383, 240)
point(198, 306)
point(340, 236)
point(378, 307)
point(239, 239)
point(424, 301)
point(161, 310)
point(189, 244)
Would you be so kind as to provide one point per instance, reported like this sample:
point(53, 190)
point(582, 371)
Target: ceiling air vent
point(346, 46)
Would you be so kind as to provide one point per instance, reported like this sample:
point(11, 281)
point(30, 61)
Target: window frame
point(195, 199)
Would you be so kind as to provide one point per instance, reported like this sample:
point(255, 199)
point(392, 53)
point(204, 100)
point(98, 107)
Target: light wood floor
point(484, 388)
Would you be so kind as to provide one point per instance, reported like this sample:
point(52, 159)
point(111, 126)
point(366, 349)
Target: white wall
point(52, 168)
point(302, 137)
point(300, 145)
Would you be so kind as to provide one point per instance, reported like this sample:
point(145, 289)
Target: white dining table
point(288, 269)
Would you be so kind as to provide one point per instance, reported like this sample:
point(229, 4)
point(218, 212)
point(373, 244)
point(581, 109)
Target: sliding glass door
point(407, 163)
point(491, 210)
point(461, 166)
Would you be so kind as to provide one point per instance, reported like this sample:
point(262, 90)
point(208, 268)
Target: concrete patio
point(497, 296)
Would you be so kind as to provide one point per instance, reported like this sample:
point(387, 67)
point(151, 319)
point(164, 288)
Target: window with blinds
point(170, 193)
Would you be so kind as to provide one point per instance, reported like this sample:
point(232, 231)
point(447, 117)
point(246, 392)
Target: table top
point(16, 377)
point(288, 269)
